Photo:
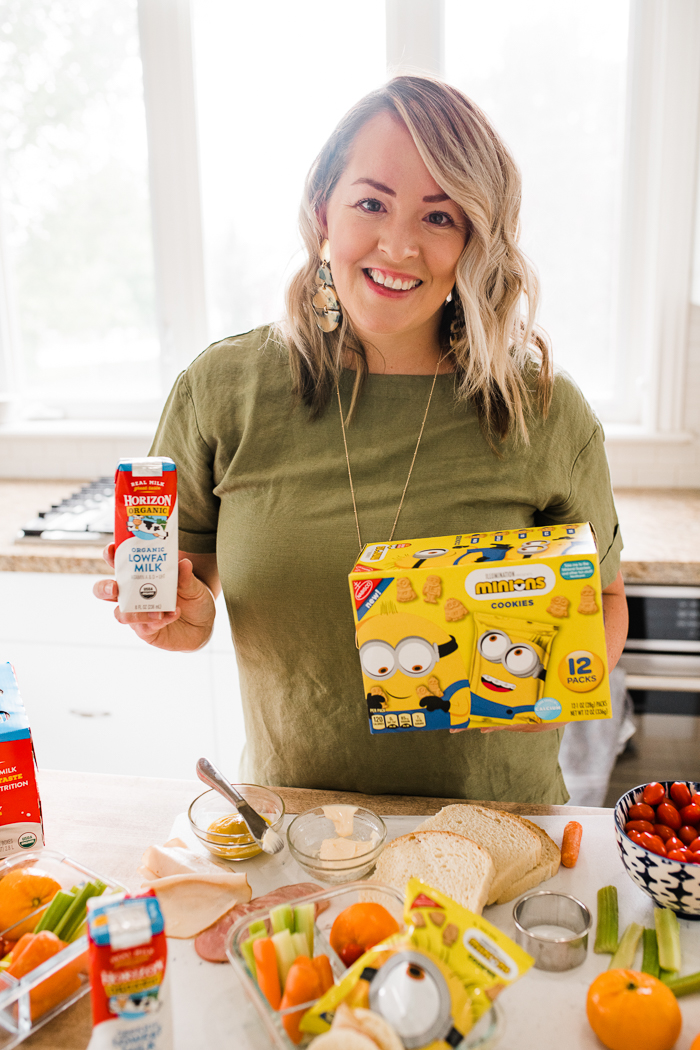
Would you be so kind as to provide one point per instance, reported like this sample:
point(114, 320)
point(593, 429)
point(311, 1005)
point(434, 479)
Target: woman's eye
point(440, 218)
point(370, 204)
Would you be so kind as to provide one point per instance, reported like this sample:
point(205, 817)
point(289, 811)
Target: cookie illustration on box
point(454, 610)
point(588, 605)
point(558, 606)
point(432, 590)
point(404, 591)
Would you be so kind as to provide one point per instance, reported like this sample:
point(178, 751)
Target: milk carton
point(146, 534)
point(21, 826)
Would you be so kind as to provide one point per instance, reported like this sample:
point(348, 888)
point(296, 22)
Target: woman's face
point(395, 237)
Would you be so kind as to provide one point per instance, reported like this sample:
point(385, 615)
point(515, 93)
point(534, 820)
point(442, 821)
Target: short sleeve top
point(267, 490)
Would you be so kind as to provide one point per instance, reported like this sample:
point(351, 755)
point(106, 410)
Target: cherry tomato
point(654, 793)
point(695, 858)
point(653, 843)
point(673, 843)
point(690, 814)
point(645, 825)
point(695, 799)
point(694, 846)
point(663, 831)
point(680, 793)
point(636, 836)
point(668, 814)
point(687, 833)
point(680, 854)
point(641, 812)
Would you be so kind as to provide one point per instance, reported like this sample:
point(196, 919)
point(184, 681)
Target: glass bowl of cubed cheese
point(337, 843)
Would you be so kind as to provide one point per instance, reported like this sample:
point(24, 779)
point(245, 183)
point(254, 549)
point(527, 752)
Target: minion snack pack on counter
point(494, 628)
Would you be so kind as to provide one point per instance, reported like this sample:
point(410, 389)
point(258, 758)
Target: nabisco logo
point(482, 584)
point(362, 589)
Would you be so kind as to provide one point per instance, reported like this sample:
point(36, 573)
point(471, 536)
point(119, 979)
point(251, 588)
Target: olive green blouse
point(267, 490)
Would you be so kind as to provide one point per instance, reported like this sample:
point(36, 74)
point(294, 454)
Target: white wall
point(100, 700)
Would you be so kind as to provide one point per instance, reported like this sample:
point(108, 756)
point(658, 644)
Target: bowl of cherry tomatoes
point(657, 827)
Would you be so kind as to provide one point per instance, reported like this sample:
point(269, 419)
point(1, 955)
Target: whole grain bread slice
point(547, 867)
point(514, 847)
point(444, 860)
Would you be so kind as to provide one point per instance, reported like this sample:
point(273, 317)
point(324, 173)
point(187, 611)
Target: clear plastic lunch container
point(485, 1035)
point(15, 1016)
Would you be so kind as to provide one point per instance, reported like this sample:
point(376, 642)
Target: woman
point(402, 367)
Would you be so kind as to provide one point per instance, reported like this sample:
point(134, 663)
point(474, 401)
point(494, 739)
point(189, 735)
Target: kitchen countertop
point(660, 528)
point(107, 821)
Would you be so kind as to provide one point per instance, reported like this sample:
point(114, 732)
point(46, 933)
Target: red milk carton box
point(145, 534)
point(21, 825)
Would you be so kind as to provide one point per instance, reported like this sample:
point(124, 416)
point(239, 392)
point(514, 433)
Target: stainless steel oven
point(662, 652)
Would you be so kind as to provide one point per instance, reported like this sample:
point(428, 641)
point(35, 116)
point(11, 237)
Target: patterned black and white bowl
point(670, 883)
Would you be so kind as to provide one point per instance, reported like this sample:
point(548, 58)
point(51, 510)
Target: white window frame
point(655, 245)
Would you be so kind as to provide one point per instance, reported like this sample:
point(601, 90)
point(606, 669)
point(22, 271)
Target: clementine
point(695, 1045)
point(22, 892)
point(633, 1011)
point(360, 927)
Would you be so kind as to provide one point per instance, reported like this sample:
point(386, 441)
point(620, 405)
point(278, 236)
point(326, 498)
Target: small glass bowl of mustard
point(218, 826)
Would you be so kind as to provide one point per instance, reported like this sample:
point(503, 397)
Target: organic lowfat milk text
point(146, 534)
point(21, 826)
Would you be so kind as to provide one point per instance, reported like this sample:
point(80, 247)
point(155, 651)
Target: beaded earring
point(325, 302)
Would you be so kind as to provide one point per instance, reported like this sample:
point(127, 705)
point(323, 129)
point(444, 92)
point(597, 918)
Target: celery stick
point(684, 985)
point(75, 913)
point(284, 950)
point(606, 934)
point(650, 954)
point(281, 918)
point(301, 944)
point(304, 918)
point(623, 959)
point(667, 975)
point(668, 935)
point(55, 911)
point(247, 949)
point(257, 927)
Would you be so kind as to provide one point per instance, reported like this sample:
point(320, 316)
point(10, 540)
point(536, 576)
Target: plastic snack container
point(482, 1037)
point(15, 1019)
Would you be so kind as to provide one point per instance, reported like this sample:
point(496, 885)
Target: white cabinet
point(100, 700)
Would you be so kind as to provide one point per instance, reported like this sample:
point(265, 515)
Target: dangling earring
point(325, 302)
point(457, 324)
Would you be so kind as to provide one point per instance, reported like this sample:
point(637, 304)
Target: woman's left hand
point(616, 623)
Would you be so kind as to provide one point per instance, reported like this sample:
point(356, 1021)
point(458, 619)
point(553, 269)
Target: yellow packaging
point(433, 981)
point(495, 628)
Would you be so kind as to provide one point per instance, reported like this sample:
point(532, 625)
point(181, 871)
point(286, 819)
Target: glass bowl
point(307, 831)
point(211, 806)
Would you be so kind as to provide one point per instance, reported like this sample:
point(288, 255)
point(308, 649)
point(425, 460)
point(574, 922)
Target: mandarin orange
point(22, 892)
point(628, 1010)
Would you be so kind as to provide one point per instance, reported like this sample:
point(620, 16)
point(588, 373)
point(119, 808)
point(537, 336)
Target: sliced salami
point(210, 944)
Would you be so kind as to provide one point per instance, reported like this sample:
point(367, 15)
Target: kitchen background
point(153, 156)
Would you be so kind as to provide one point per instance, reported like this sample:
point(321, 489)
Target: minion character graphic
point(412, 665)
point(509, 667)
point(436, 556)
point(556, 547)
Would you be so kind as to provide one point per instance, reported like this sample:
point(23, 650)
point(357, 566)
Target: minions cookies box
point(498, 628)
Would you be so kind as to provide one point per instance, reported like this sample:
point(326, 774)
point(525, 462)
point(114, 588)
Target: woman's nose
point(398, 240)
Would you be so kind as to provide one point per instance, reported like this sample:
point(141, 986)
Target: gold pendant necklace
point(410, 469)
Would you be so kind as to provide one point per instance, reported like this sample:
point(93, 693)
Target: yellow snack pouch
point(433, 981)
point(509, 666)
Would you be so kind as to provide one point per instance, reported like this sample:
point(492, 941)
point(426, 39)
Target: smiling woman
point(403, 385)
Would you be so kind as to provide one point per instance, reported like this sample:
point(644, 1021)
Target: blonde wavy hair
point(502, 361)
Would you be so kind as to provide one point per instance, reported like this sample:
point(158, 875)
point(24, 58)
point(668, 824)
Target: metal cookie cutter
point(537, 914)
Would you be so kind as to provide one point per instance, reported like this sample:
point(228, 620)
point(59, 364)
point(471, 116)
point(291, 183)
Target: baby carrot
point(266, 970)
point(322, 967)
point(571, 843)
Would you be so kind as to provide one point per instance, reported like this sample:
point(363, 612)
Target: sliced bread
point(515, 849)
point(547, 867)
point(449, 862)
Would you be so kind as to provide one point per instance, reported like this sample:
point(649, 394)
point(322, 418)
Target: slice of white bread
point(449, 862)
point(514, 847)
point(547, 867)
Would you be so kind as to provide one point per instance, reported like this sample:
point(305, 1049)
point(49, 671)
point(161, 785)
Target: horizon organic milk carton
point(21, 825)
point(146, 534)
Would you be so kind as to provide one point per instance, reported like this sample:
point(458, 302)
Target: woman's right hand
point(188, 628)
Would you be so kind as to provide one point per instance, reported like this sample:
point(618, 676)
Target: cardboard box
point(495, 628)
point(21, 824)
